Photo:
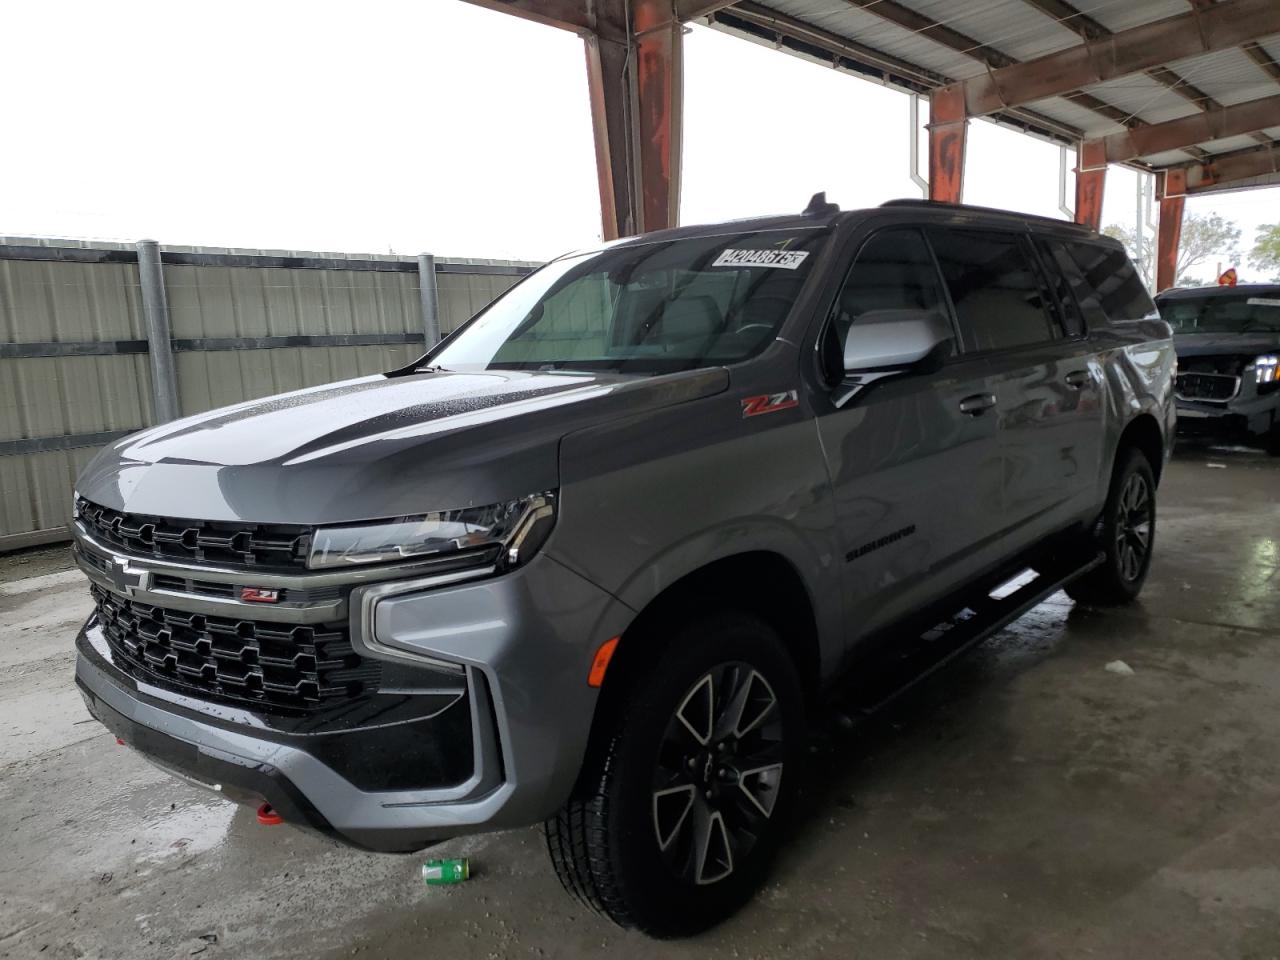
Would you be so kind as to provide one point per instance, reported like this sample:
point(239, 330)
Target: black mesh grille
point(1227, 364)
point(1206, 386)
point(260, 546)
point(246, 661)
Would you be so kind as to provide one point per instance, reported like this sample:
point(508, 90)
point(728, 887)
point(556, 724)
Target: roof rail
point(940, 205)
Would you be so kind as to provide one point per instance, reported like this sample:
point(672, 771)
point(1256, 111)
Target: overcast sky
point(430, 125)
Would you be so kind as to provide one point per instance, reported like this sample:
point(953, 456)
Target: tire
point(1125, 533)
point(680, 808)
point(1273, 440)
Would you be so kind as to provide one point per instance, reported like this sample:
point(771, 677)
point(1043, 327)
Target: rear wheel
point(1125, 534)
point(678, 814)
point(1273, 440)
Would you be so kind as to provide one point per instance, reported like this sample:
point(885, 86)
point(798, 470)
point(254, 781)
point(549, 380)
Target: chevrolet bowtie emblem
point(126, 579)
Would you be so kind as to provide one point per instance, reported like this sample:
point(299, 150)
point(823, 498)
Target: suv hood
point(1209, 344)
point(380, 446)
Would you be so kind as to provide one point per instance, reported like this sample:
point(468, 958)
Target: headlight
point(506, 534)
point(1265, 368)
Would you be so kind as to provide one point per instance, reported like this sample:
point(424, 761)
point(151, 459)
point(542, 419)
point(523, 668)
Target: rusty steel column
point(947, 122)
point(636, 115)
point(1091, 181)
point(659, 47)
point(1173, 198)
point(609, 90)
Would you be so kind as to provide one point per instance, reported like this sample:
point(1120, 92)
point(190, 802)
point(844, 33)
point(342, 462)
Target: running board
point(954, 636)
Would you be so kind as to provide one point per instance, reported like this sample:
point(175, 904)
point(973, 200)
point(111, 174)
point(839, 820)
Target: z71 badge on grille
point(259, 595)
point(769, 403)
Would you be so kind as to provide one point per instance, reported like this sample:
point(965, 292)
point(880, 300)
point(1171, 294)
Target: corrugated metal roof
point(1020, 30)
point(848, 21)
point(1229, 76)
point(1122, 14)
point(1144, 98)
point(1010, 26)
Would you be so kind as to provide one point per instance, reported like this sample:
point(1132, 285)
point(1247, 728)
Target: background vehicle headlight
point(1265, 367)
point(505, 534)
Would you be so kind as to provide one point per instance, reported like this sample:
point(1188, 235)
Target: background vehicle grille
point(1206, 386)
point(260, 546)
point(245, 661)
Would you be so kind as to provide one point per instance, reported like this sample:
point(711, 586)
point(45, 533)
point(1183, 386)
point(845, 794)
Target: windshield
point(653, 307)
point(1223, 314)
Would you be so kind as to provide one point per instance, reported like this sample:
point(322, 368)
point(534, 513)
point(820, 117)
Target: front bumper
point(1243, 421)
point(520, 643)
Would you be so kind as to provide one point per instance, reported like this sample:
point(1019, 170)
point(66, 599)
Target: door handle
point(977, 404)
point(1078, 378)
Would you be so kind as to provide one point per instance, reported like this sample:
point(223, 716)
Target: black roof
point(1199, 293)
point(932, 209)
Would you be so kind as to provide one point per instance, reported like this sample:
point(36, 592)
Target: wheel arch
point(1142, 433)
point(760, 582)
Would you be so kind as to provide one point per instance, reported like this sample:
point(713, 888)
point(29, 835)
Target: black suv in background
point(597, 558)
point(1228, 344)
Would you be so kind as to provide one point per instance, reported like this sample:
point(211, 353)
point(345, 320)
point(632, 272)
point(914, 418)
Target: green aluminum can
point(439, 872)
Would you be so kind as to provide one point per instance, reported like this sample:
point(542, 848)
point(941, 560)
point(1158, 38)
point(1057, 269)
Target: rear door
point(1046, 382)
point(916, 478)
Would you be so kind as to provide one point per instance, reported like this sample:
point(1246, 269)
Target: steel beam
point(947, 127)
point(1091, 181)
point(1173, 199)
point(1220, 27)
point(1236, 120)
point(1227, 168)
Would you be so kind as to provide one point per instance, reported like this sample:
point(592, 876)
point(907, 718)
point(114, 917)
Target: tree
point(1202, 238)
point(1265, 254)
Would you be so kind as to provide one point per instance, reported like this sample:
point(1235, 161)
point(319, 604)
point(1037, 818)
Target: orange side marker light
point(600, 663)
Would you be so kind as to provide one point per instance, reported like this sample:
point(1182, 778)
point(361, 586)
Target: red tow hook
point(268, 817)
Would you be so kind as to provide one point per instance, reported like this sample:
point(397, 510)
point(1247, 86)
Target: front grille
point(260, 546)
point(1206, 386)
point(229, 659)
point(1227, 364)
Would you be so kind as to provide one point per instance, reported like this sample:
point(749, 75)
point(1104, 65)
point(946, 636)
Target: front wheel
point(677, 816)
point(1125, 534)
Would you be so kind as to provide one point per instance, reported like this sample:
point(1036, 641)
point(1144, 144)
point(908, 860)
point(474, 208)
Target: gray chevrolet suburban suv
point(599, 558)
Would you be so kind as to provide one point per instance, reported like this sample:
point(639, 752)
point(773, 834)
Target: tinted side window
point(892, 271)
point(1065, 281)
point(995, 289)
point(1108, 271)
point(1086, 295)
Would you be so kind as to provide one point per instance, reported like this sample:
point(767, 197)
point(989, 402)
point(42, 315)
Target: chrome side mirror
point(895, 341)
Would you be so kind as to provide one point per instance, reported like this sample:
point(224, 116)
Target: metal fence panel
point(243, 324)
point(42, 300)
point(209, 379)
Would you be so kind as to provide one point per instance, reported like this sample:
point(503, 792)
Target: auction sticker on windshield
point(779, 259)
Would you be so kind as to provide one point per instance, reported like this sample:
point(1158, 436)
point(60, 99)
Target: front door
point(914, 460)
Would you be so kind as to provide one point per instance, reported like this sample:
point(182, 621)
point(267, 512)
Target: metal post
point(1172, 191)
point(430, 298)
point(155, 311)
point(1062, 183)
point(914, 147)
point(1140, 233)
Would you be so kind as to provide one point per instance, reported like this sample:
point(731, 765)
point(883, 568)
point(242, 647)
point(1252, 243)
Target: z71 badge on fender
point(769, 403)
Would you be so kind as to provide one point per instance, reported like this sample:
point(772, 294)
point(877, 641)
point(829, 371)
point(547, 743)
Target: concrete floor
point(1024, 803)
